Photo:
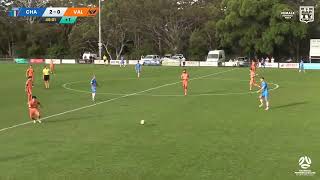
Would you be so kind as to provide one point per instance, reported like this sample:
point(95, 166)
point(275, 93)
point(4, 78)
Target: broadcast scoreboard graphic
point(61, 15)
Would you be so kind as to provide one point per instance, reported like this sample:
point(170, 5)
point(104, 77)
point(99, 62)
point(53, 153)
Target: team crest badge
point(306, 14)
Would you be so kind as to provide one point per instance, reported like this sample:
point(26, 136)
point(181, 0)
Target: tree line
point(139, 27)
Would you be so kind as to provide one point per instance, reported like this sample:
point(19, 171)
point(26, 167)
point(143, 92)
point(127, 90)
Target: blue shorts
point(138, 70)
point(93, 89)
point(265, 96)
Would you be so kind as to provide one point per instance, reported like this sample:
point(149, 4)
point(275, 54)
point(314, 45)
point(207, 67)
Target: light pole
point(100, 43)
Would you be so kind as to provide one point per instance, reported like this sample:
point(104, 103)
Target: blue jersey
point(265, 90)
point(301, 64)
point(93, 85)
point(138, 67)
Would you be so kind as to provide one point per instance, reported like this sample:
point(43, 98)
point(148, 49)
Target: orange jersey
point(254, 66)
point(185, 76)
point(29, 72)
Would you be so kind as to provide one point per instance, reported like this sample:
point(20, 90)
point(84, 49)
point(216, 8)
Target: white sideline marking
point(113, 99)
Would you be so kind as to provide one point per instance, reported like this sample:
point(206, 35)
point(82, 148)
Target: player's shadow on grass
point(74, 119)
point(211, 92)
point(290, 105)
point(150, 124)
point(16, 157)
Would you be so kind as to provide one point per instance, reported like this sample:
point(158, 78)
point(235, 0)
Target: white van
point(216, 56)
point(89, 56)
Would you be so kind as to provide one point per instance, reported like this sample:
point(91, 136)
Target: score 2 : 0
point(51, 11)
point(54, 12)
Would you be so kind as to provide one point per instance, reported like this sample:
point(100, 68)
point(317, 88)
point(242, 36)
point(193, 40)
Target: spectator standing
point(263, 63)
point(267, 60)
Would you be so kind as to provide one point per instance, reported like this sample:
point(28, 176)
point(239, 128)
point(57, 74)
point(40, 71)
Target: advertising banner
point(170, 63)
point(208, 64)
point(21, 61)
point(36, 61)
point(68, 61)
point(133, 62)
point(288, 65)
point(100, 62)
point(54, 61)
point(117, 62)
point(269, 65)
point(312, 66)
point(192, 63)
point(85, 61)
point(231, 64)
point(114, 62)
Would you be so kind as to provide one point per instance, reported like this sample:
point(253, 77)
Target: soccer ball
point(142, 122)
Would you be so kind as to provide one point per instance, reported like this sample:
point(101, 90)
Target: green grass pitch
point(217, 132)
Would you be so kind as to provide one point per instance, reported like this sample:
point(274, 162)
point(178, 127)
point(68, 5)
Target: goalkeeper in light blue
point(301, 66)
point(94, 85)
point(264, 96)
point(138, 68)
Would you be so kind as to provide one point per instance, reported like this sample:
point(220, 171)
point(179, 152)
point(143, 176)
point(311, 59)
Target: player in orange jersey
point(185, 79)
point(34, 111)
point(51, 67)
point(253, 66)
point(252, 79)
point(28, 88)
point(30, 73)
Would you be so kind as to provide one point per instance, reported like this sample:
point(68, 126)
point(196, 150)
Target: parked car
point(151, 60)
point(180, 56)
point(175, 58)
point(166, 57)
point(243, 61)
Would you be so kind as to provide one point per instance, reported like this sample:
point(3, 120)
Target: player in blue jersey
point(94, 85)
point(122, 62)
point(138, 68)
point(264, 96)
point(301, 66)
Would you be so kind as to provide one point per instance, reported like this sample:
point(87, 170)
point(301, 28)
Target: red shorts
point(185, 84)
point(29, 94)
point(34, 113)
point(29, 91)
point(252, 81)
